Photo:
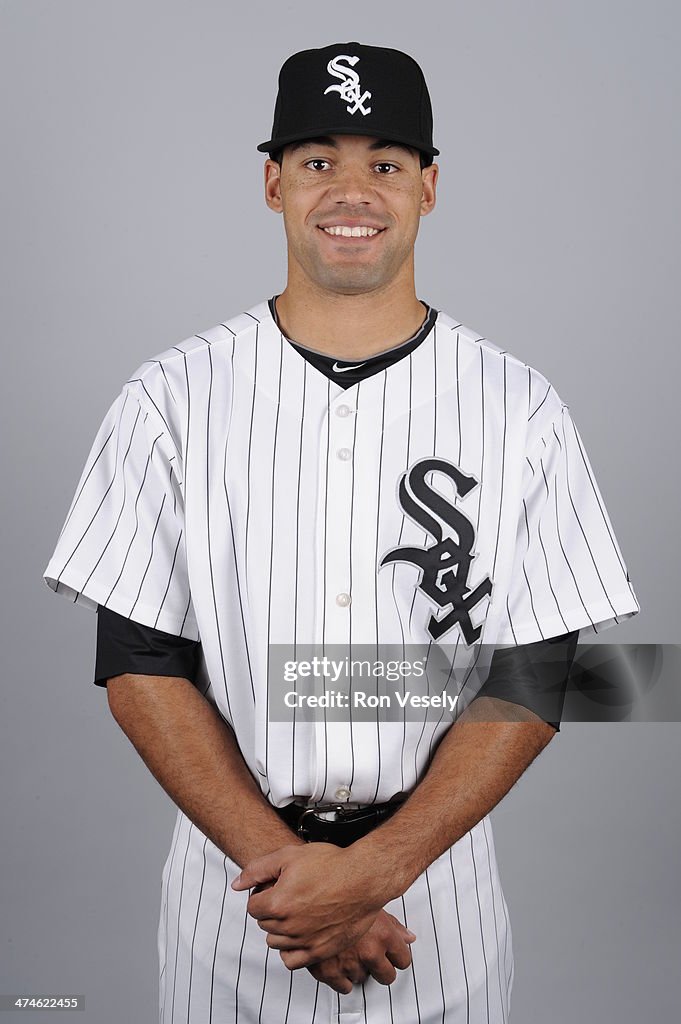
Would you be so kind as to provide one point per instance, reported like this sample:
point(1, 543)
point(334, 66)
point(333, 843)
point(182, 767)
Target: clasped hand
point(321, 906)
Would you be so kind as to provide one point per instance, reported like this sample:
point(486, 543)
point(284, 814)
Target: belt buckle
point(339, 809)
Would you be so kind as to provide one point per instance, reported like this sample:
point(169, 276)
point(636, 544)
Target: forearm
point(193, 754)
point(475, 765)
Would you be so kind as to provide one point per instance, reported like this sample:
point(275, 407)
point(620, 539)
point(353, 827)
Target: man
point(342, 465)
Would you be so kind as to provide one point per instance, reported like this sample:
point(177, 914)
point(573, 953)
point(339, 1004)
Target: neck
point(350, 326)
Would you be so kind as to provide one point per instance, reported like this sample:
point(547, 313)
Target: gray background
point(132, 218)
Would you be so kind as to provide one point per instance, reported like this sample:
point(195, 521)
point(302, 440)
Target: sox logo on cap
point(350, 89)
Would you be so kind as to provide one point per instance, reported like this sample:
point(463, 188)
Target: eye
point(386, 168)
point(314, 163)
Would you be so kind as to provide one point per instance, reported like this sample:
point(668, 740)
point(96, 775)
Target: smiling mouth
point(343, 231)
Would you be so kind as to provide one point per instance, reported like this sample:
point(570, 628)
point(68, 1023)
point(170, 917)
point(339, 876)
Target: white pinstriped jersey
point(236, 495)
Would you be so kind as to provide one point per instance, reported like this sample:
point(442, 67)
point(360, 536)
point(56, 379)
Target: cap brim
point(273, 144)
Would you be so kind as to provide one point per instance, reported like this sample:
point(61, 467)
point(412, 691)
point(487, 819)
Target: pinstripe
point(237, 578)
point(543, 547)
point(324, 586)
point(392, 581)
point(529, 391)
point(164, 912)
point(240, 961)
point(579, 523)
point(352, 523)
point(314, 1008)
point(597, 496)
point(177, 932)
point(269, 601)
point(437, 945)
point(151, 555)
point(482, 933)
point(529, 585)
point(297, 557)
point(425, 541)
point(503, 475)
point(565, 556)
point(482, 435)
point(170, 485)
point(104, 496)
point(461, 943)
point(250, 447)
point(378, 506)
point(196, 922)
point(264, 985)
point(412, 972)
point(288, 1001)
point(137, 522)
point(534, 413)
point(150, 399)
point(494, 916)
point(92, 469)
point(211, 571)
point(217, 939)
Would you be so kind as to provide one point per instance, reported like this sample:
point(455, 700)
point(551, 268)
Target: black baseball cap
point(352, 89)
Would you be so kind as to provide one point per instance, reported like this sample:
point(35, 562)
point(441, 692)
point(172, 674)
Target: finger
point(383, 971)
point(400, 956)
point(262, 906)
point(274, 925)
point(409, 935)
point(321, 945)
point(277, 941)
point(261, 886)
point(355, 971)
point(333, 979)
point(262, 869)
point(294, 959)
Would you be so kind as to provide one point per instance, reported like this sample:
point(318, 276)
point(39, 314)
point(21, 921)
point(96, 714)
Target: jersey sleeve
point(568, 572)
point(122, 545)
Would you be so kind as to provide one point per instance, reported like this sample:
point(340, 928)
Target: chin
point(351, 280)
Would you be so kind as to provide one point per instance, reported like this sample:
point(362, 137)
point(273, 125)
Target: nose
point(351, 185)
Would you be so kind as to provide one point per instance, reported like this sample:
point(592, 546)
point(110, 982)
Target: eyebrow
point(327, 140)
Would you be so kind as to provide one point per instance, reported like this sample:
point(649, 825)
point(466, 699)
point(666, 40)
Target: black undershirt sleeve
point(127, 646)
point(533, 675)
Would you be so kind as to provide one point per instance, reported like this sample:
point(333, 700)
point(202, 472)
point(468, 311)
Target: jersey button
point(344, 454)
point(342, 793)
point(343, 600)
point(343, 411)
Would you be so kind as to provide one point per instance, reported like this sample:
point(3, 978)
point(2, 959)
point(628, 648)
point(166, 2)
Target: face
point(352, 206)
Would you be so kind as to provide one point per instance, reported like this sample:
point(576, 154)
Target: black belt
point(345, 827)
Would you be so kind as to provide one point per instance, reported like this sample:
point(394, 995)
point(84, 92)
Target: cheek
point(298, 207)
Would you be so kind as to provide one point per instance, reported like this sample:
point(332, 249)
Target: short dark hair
point(425, 159)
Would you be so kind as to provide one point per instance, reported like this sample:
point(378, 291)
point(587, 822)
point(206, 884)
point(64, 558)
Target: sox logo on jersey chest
point(349, 89)
point(446, 564)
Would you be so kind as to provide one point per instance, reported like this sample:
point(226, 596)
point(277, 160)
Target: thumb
point(263, 869)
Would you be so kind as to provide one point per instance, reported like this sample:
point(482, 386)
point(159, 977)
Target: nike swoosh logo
point(343, 369)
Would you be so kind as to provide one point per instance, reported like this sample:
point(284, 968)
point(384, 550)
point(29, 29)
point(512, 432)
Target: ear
point(273, 185)
point(429, 182)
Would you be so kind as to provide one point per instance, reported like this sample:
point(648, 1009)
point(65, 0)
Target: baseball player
point(342, 464)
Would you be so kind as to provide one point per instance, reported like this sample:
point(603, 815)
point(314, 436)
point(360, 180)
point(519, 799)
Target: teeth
point(346, 232)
